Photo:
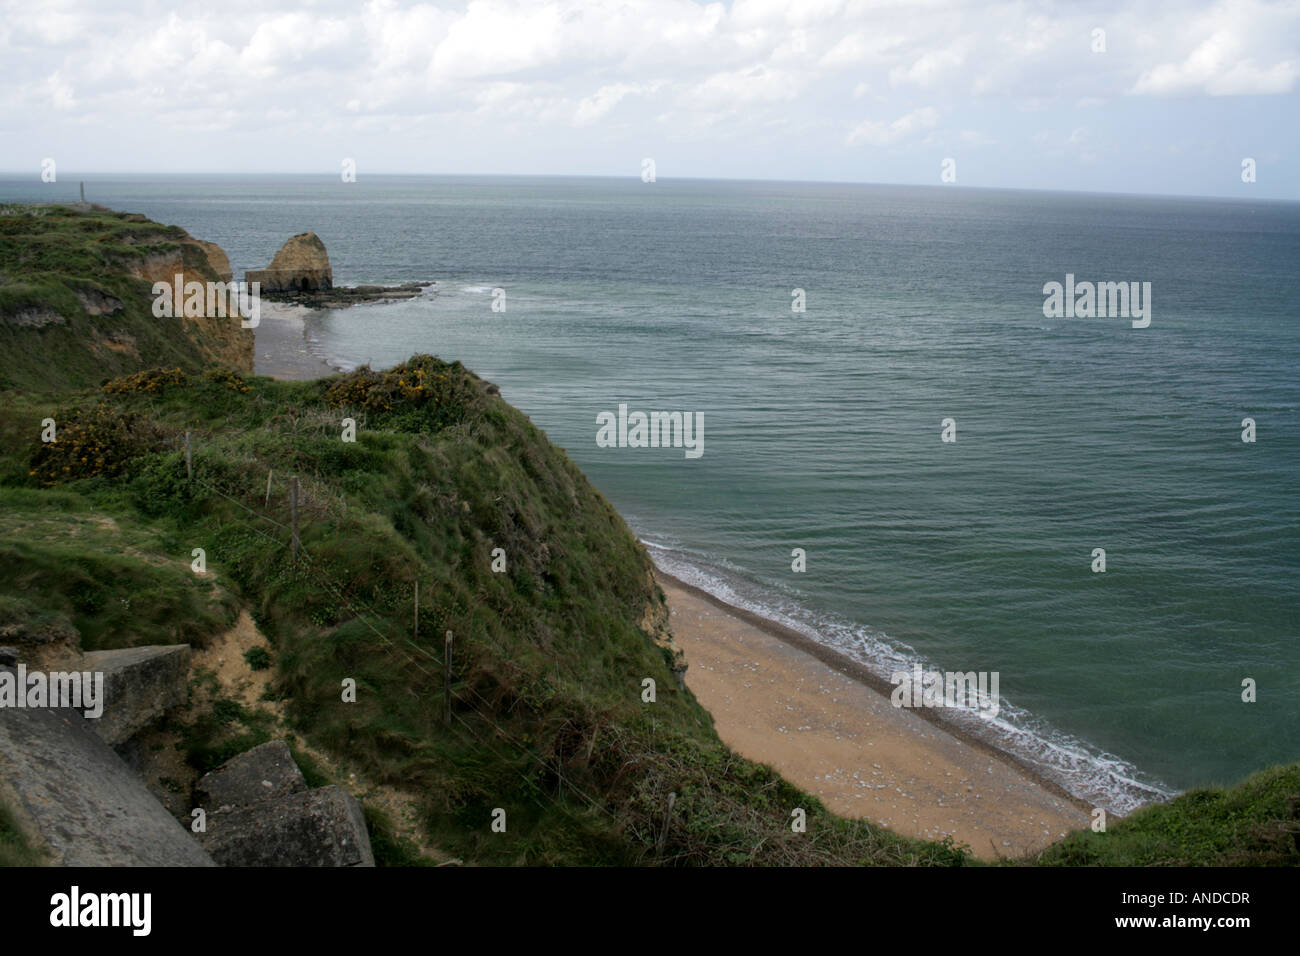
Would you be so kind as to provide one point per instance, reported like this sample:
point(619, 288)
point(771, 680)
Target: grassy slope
point(1255, 823)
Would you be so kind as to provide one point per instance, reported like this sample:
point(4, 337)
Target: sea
point(829, 337)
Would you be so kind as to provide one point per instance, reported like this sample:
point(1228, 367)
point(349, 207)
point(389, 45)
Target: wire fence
point(322, 578)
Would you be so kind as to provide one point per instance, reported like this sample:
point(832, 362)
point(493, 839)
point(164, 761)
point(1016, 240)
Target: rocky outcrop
point(217, 259)
point(654, 622)
point(81, 801)
point(95, 301)
point(342, 297)
point(223, 338)
point(301, 265)
point(267, 772)
point(324, 827)
point(33, 318)
point(140, 685)
point(260, 813)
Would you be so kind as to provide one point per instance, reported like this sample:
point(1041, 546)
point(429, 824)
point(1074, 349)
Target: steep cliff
point(76, 300)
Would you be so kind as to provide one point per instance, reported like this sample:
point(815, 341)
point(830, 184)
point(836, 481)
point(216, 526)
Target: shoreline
point(756, 676)
point(280, 344)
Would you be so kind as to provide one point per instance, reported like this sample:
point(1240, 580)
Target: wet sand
point(280, 344)
point(825, 723)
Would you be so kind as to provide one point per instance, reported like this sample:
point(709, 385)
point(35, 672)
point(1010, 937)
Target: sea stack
point(301, 265)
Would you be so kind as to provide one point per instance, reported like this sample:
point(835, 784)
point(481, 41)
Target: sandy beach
point(777, 700)
point(280, 344)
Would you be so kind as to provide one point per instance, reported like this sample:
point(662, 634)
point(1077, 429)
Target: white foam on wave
point(1086, 771)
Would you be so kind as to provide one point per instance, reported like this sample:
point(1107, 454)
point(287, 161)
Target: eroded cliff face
point(301, 265)
point(221, 338)
point(217, 258)
point(77, 302)
point(654, 621)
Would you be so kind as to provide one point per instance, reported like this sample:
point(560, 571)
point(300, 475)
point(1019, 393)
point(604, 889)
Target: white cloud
point(872, 133)
point(859, 49)
point(599, 104)
point(1235, 48)
point(927, 69)
point(575, 77)
point(745, 87)
point(1206, 71)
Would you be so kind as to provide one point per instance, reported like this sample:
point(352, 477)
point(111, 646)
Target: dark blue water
point(822, 429)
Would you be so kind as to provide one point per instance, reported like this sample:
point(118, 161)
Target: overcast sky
point(861, 91)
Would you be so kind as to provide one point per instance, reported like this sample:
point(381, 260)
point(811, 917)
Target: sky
point(1133, 97)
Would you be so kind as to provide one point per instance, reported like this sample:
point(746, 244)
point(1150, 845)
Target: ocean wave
point(1084, 770)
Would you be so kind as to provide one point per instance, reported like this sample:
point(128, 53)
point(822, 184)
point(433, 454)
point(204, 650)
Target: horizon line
point(83, 177)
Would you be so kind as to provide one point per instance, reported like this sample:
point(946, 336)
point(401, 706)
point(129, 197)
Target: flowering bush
point(423, 393)
point(151, 381)
point(89, 444)
point(227, 377)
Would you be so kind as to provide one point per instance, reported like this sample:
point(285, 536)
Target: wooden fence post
point(668, 820)
point(446, 657)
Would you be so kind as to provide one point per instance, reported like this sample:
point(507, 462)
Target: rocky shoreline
point(301, 274)
point(341, 298)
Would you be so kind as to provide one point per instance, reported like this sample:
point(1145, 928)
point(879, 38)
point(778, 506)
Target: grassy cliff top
point(76, 305)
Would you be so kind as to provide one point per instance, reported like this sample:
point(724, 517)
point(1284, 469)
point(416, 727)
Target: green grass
point(14, 848)
point(1255, 823)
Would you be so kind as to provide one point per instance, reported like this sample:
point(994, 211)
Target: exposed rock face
point(324, 827)
point(78, 797)
point(194, 261)
point(260, 813)
point(301, 265)
point(654, 621)
point(217, 258)
point(35, 318)
point(140, 685)
point(95, 301)
point(267, 772)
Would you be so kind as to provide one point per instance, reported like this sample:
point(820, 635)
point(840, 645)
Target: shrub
point(258, 658)
point(424, 393)
point(94, 443)
point(227, 377)
point(152, 381)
